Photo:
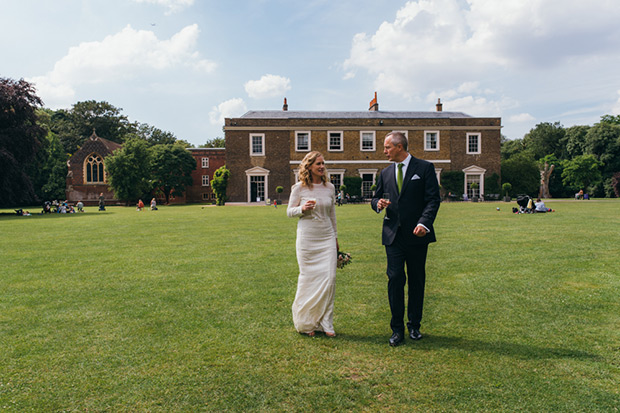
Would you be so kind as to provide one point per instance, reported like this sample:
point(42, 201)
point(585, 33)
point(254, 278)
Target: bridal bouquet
point(344, 258)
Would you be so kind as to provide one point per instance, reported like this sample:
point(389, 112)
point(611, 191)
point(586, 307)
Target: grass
point(188, 309)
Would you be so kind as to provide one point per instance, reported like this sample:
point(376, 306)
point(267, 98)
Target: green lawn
point(188, 309)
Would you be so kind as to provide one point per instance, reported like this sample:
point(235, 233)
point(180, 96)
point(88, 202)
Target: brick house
point(265, 148)
point(86, 175)
point(208, 160)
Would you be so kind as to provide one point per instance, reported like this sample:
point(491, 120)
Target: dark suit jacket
point(417, 203)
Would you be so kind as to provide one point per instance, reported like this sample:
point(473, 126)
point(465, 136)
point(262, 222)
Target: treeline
point(584, 158)
point(580, 158)
point(35, 144)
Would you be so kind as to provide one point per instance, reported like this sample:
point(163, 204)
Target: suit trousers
point(399, 253)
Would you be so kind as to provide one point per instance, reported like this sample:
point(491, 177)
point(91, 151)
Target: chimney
point(374, 106)
point(439, 105)
point(285, 106)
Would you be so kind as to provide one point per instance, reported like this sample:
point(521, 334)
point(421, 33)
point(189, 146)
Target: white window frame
point(205, 180)
point(374, 141)
point(297, 133)
point(205, 162)
point(341, 146)
point(479, 135)
point(262, 137)
point(334, 172)
point(372, 172)
point(205, 196)
point(426, 147)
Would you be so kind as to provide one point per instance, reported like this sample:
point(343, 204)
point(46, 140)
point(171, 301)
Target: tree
point(20, 139)
point(545, 139)
point(154, 136)
point(214, 143)
point(74, 126)
point(506, 188)
point(219, 184)
point(545, 177)
point(615, 184)
point(582, 172)
point(575, 140)
point(491, 184)
point(523, 173)
point(603, 141)
point(510, 147)
point(171, 168)
point(54, 170)
point(129, 170)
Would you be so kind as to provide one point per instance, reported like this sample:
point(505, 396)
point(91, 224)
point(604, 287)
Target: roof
point(285, 114)
point(111, 146)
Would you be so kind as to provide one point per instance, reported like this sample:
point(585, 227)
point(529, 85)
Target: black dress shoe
point(396, 339)
point(415, 334)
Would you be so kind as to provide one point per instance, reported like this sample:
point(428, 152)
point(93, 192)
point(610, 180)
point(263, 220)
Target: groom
point(407, 230)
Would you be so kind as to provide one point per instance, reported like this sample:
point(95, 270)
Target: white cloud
point(125, 55)
point(267, 86)
point(172, 5)
point(616, 109)
point(521, 118)
point(442, 42)
point(228, 109)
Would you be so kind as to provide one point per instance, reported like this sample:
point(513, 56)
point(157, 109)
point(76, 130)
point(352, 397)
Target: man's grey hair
point(398, 138)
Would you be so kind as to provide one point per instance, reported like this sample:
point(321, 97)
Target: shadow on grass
point(524, 351)
point(5, 216)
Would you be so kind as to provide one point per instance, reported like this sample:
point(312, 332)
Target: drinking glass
point(386, 197)
point(312, 211)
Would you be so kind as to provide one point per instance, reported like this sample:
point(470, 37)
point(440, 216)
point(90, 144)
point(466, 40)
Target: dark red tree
point(20, 138)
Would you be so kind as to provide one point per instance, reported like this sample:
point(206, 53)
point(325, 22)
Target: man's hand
point(419, 231)
point(382, 204)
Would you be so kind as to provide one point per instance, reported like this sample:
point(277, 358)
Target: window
point(93, 167)
point(367, 141)
point(205, 180)
point(205, 162)
point(302, 141)
point(473, 143)
point(336, 181)
point(431, 141)
point(334, 143)
point(205, 196)
point(367, 182)
point(336, 177)
point(257, 144)
point(369, 177)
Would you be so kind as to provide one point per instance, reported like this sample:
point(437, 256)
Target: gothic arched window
point(93, 168)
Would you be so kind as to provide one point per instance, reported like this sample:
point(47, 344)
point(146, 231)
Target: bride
point(312, 200)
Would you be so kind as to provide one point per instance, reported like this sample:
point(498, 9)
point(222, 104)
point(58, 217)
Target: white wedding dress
point(313, 308)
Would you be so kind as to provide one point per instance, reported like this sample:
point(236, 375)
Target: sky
point(185, 65)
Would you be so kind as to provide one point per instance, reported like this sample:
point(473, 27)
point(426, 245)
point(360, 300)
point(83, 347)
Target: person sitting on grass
point(80, 206)
point(140, 205)
point(153, 205)
point(540, 206)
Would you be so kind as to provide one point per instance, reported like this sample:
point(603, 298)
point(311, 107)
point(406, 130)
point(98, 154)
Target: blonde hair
point(305, 176)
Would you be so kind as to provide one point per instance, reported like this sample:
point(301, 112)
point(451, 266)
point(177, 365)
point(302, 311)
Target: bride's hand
point(308, 206)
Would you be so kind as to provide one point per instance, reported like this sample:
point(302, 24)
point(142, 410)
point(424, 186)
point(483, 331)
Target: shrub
point(219, 184)
point(452, 181)
point(354, 184)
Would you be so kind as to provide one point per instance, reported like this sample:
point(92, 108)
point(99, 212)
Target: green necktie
point(399, 176)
